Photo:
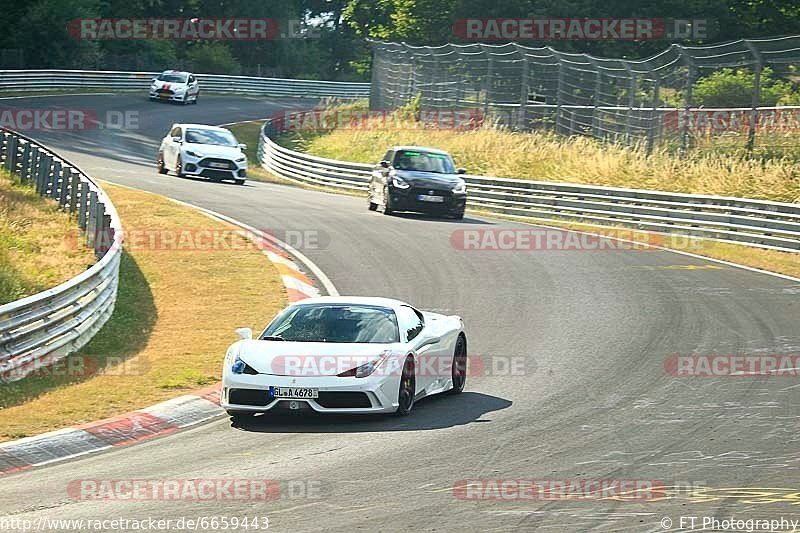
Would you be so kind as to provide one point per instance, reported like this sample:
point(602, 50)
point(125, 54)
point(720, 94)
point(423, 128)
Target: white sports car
point(202, 151)
point(175, 86)
point(345, 355)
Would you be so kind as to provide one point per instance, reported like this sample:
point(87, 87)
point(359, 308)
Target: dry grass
point(39, 247)
point(547, 157)
point(175, 317)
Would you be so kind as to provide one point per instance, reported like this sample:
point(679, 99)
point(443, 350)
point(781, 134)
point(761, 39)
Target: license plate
point(162, 95)
point(218, 165)
point(293, 392)
point(429, 198)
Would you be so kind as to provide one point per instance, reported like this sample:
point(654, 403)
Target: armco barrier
point(44, 327)
point(44, 80)
point(759, 223)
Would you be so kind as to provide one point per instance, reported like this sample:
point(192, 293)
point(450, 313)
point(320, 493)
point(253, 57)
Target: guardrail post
point(63, 198)
point(83, 209)
point(54, 178)
point(3, 138)
point(42, 177)
point(11, 153)
point(103, 244)
point(25, 166)
point(753, 123)
point(33, 171)
point(91, 220)
point(73, 191)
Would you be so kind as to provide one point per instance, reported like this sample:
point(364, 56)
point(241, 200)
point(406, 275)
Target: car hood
point(307, 359)
point(212, 150)
point(171, 85)
point(429, 179)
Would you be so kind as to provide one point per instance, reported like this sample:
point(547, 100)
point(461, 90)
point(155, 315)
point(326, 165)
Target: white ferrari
point(345, 355)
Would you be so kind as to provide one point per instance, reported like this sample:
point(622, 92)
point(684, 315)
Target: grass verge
point(176, 311)
point(37, 248)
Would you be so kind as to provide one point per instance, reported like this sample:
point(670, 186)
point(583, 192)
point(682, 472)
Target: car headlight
point(240, 367)
point(461, 188)
point(400, 183)
point(179, 89)
point(193, 154)
point(366, 369)
point(241, 159)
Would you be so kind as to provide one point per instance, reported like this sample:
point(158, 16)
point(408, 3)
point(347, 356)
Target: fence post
point(753, 123)
point(522, 116)
point(487, 81)
point(559, 88)
point(687, 104)
point(655, 120)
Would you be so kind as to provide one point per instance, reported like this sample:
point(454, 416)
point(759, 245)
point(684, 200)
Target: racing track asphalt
point(594, 401)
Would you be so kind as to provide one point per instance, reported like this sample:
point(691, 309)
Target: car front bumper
point(196, 167)
point(379, 391)
point(408, 200)
point(166, 97)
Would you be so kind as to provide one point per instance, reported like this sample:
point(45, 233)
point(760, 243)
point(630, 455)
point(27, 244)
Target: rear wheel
point(405, 396)
point(459, 372)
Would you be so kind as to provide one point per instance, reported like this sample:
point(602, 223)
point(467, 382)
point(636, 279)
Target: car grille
point(216, 174)
point(164, 91)
point(447, 193)
point(208, 160)
point(254, 397)
point(343, 400)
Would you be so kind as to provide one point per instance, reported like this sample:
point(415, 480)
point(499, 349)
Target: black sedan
point(413, 178)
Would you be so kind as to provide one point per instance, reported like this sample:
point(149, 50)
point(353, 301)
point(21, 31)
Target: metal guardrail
point(43, 80)
point(759, 223)
point(42, 328)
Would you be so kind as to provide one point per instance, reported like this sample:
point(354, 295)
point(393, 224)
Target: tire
point(387, 202)
point(459, 369)
point(160, 164)
point(372, 206)
point(179, 168)
point(240, 416)
point(459, 216)
point(407, 389)
point(239, 182)
point(194, 102)
point(185, 99)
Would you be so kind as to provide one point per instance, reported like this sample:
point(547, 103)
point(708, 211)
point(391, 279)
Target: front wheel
point(387, 202)
point(160, 164)
point(239, 182)
point(238, 417)
point(372, 206)
point(195, 98)
point(459, 372)
point(179, 167)
point(405, 396)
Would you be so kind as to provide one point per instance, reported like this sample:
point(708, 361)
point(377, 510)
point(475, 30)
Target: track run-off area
point(587, 396)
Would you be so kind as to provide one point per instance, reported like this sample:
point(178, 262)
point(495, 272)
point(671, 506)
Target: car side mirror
point(461, 171)
point(242, 146)
point(176, 139)
point(244, 334)
point(384, 163)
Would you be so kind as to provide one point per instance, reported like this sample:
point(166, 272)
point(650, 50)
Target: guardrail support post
point(11, 154)
point(73, 191)
point(91, 220)
point(63, 198)
point(53, 181)
point(25, 166)
point(83, 207)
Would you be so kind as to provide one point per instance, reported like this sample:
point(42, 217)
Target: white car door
point(172, 149)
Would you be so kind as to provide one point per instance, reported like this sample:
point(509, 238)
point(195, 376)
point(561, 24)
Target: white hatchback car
point(196, 150)
point(175, 86)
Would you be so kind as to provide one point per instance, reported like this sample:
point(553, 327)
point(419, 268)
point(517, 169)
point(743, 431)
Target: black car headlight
point(461, 188)
point(400, 183)
point(193, 154)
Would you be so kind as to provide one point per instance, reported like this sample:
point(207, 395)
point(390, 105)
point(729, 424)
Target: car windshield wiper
point(272, 338)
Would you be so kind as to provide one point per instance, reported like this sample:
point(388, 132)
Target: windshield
point(173, 78)
point(219, 138)
point(424, 162)
point(335, 323)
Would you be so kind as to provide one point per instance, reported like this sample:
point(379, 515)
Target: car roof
point(420, 149)
point(201, 126)
point(176, 72)
point(353, 300)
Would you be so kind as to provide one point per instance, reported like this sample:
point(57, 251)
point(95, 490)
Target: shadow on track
point(436, 412)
